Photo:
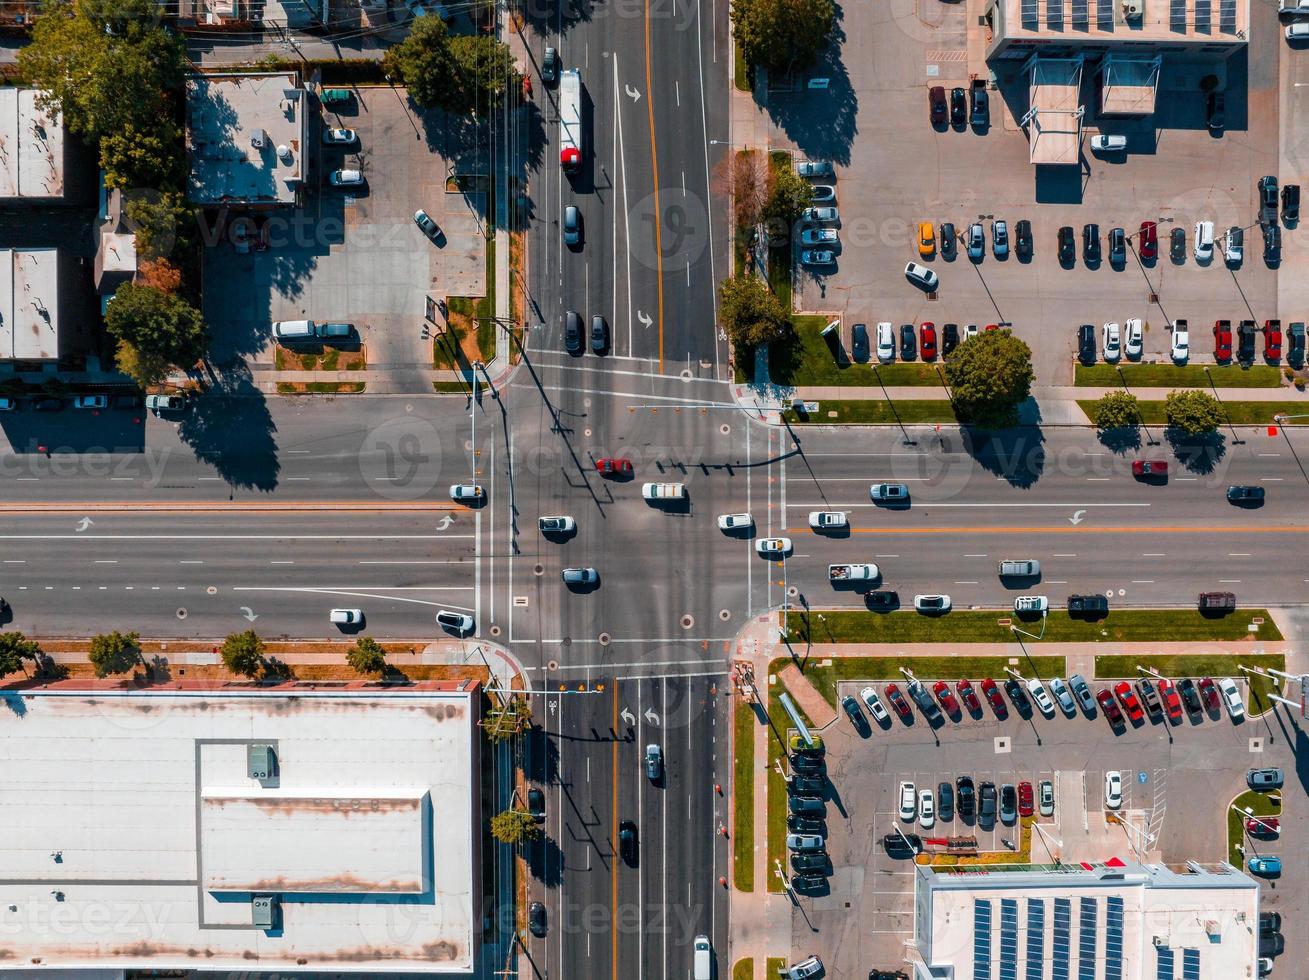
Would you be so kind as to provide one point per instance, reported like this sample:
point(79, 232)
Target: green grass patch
point(1178, 376)
point(743, 969)
point(773, 966)
point(1262, 806)
point(863, 411)
point(804, 358)
point(743, 726)
point(320, 387)
point(776, 784)
point(1240, 413)
point(741, 72)
point(1202, 665)
point(840, 669)
point(447, 387)
point(969, 626)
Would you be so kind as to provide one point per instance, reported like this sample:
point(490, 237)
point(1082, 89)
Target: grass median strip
point(861, 411)
point(969, 626)
point(743, 726)
point(1177, 376)
point(804, 358)
point(743, 969)
point(776, 784)
point(1239, 412)
point(773, 966)
point(1262, 805)
point(1201, 665)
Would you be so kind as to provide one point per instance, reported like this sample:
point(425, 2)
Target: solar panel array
point(1031, 14)
point(1081, 15)
point(1035, 939)
point(1227, 16)
point(1104, 14)
point(1113, 939)
point(1008, 939)
point(1086, 940)
point(1164, 963)
point(1190, 964)
point(981, 940)
point(1177, 15)
point(1063, 917)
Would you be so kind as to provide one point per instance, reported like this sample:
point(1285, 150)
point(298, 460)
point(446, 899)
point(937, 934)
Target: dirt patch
point(320, 387)
point(321, 359)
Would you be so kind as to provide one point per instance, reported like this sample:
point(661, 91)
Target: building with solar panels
point(1115, 921)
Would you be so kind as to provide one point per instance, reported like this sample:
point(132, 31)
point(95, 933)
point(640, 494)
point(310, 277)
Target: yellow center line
point(1079, 529)
point(613, 863)
point(654, 168)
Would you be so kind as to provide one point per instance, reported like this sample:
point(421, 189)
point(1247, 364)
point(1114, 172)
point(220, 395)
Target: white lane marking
point(965, 583)
point(1142, 581)
point(1097, 479)
point(974, 556)
point(123, 478)
point(191, 561)
point(1058, 555)
point(298, 479)
point(230, 537)
point(1153, 554)
point(1269, 455)
point(627, 223)
point(281, 562)
point(1229, 581)
point(1270, 479)
point(886, 556)
point(1238, 554)
point(106, 561)
point(677, 93)
point(1065, 506)
point(369, 592)
point(434, 561)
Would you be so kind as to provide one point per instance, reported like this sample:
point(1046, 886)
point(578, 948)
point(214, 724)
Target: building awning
point(1054, 116)
point(1128, 84)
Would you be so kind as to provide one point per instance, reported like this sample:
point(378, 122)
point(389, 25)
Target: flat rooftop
point(1097, 21)
point(245, 136)
point(137, 836)
point(29, 304)
point(31, 147)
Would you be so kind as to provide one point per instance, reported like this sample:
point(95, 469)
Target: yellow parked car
point(926, 240)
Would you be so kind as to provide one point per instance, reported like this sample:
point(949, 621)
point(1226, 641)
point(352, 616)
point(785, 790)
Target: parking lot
point(1176, 782)
point(354, 253)
point(897, 170)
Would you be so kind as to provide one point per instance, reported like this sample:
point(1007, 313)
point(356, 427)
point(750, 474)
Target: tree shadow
point(545, 861)
point(230, 428)
point(1016, 454)
point(543, 19)
point(821, 122)
point(1120, 439)
point(1197, 453)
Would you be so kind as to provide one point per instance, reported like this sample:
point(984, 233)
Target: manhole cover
point(495, 630)
point(409, 408)
point(212, 590)
point(587, 433)
point(538, 569)
point(604, 639)
point(724, 429)
point(181, 612)
point(468, 445)
point(724, 614)
point(552, 665)
point(792, 591)
point(687, 622)
point(686, 375)
point(567, 641)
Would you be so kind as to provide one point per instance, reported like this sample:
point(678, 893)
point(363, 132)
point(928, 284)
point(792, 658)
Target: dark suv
point(1245, 342)
point(986, 803)
point(958, 107)
point(572, 332)
point(1087, 605)
point(1086, 344)
point(981, 114)
point(1295, 345)
point(1023, 239)
point(1067, 246)
point(1267, 200)
point(965, 797)
point(1090, 242)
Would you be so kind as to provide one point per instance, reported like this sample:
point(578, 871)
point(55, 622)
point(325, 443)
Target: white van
point(703, 964)
point(294, 329)
point(663, 491)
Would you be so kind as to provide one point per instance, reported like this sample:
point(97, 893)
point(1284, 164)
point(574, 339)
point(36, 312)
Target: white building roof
point(135, 837)
point(31, 147)
point(29, 304)
point(245, 137)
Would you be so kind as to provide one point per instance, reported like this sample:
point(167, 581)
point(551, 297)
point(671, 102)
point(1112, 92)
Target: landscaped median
point(856, 411)
point(744, 721)
point(1176, 376)
point(1263, 805)
point(1201, 665)
point(1236, 412)
point(743, 969)
point(804, 357)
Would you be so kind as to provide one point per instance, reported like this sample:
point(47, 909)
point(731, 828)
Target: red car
point(942, 691)
point(1209, 691)
point(1272, 340)
point(927, 341)
point(1024, 799)
point(967, 695)
point(992, 692)
point(609, 466)
point(898, 702)
point(1172, 702)
point(1148, 468)
point(1222, 340)
point(1148, 246)
point(1128, 698)
point(1263, 826)
point(993, 326)
point(1109, 707)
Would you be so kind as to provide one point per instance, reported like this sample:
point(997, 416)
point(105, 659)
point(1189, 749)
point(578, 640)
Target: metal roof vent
point(261, 761)
point(263, 911)
point(258, 139)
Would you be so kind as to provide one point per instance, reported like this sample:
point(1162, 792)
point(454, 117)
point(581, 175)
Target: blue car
point(976, 242)
point(1266, 866)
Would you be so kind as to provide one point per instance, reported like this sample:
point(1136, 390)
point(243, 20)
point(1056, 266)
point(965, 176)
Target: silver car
point(815, 168)
point(580, 576)
point(818, 236)
point(820, 216)
point(456, 622)
point(875, 706)
point(804, 842)
point(817, 256)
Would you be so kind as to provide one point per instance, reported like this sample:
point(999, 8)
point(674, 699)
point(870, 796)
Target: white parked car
point(1232, 698)
point(908, 802)
point(920, 275)
point(339, 136)
point(466, 491)
point(970, 331)
point(1031, 604)
point(1113, 342)
point(456, 622)
point(1204, 241)
point(932, 603)
point(814, 168)
point(768, 547)
point(827, 520)
point(1113, 789)
point(165, 403)
point(1041, 696)
point(345, 178)
point(820, 216)
point(875, 706)
point(885, 342)
point(926, 809)
point(806, 969)
point(1297, 32)
point(1181, 349)
point(734, 522)
point(563, 524)
point(823, 193)
point(818, 236)
point(424, 221)
point(346, 617)
point(91, 401)
point(1104, 143)
point(1133, 338)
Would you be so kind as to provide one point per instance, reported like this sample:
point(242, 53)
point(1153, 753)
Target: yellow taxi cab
point(926, 239)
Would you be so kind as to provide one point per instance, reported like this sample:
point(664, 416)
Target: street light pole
point(1150, 440)
point(1236, 440)
point(887, 395)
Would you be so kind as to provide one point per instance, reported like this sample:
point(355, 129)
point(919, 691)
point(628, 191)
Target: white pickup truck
point(852, 573)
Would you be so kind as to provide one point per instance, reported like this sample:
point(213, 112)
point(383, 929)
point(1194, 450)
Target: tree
point(424, 63)
point(787, 197)
point(160, 220)
point(989, 377)
point(243, 653)
point(159, 274)
point(781, 35)
point(485, 68)
point(159, 326)
point(142, 157)
point(502, 723)
point(514, 826)
point(143, 368)
point(367, 656)
point(746, 179)
point(1193, 412)
point(750, 313)
point(114, 653)
point(1116, 410)
point(14, 649)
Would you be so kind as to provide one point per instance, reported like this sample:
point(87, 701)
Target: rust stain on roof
point(289, 805)
point(343, 883)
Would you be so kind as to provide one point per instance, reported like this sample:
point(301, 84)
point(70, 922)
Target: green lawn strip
point(1240, 413)
point(779, 259)
point(1213, 665)
point(743, 726)
point(1262, 806)
point(804, 358)
point(773, 966)
point(875, 412)
point(968, 626)
point(741, 73)
point(460, 387)
point(320, 387)
point(887, 668)
point(1177, 376)
point(743, 969)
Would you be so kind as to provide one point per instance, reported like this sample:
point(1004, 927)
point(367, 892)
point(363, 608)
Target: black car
point(536, 804)
point(936, 104)
point(949, 339)
point(958, 107)
point(1117, 246)
point(1023, 239)
point(1017, 695)
point(1290, 204)
point(949, 241)
point(859, 343)
point(986, 802)
point(573, 332)
point(801, 861)
point(908, 342)
point(627, 843)
point(550, 66)
point(851, 707)
point(1245, 342)
point(1067, 246)
point(1087, 606)
point(807, 785)
point(1245, 495)
point(945, 801)
point(809, 883)
point(1269, 923)
point(1190, 696)
point(1295, 345)
point(882, 600)
point(967, 796)
point(902, 845)
point(808, 765)
point(1271, 944)
point(980, 117)
point(1090, 242)
point(1272, 244)
point(47, 403)
point(806, 825)
point(1216, 112)
point(806, 805)
point(599, 334)
point(1086, 344)
point(536, 919)
point(1267, 201)
point(1177, 244)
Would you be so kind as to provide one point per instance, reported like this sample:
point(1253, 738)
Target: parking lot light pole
point(886, 394)
point(1034, 636)
point(1149, 439)
point(1250, 814)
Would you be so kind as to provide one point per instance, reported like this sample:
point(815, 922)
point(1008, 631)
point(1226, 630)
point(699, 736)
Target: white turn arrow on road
point(628, 717)
point(651, 717)
point(632, 93)
point(1077, 517)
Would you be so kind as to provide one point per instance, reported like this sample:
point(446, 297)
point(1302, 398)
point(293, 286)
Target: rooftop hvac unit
point(284, 153)
point(258, 139)
point(261, 761)
point(1133, 9)
point(263, 911)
